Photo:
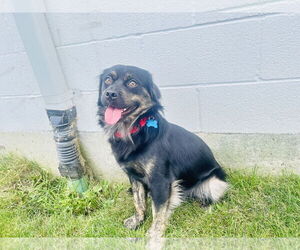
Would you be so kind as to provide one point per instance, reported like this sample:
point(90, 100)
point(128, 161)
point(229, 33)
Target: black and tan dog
point(160, 158)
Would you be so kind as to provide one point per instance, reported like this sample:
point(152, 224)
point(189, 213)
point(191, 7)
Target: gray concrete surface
point(269, 154)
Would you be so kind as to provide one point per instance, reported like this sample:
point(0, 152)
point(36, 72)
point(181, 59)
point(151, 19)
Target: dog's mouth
point(112, 115)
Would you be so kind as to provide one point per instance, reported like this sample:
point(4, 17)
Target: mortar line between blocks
point(164, 31)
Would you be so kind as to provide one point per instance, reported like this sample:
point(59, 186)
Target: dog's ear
point(100, 90)
point(154, 91)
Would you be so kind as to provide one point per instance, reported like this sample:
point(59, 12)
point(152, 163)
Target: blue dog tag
point(152, 123)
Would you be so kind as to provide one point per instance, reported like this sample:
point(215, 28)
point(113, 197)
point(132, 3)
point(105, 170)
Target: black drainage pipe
point(65, 136)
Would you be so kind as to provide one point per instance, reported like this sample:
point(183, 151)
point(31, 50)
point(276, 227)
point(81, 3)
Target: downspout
point(57, 95)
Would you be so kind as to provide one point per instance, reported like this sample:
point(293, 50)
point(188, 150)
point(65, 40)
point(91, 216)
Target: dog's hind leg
point(139, 196)
point(209, 191)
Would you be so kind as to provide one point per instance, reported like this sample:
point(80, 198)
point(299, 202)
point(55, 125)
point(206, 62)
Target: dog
point(162, 160)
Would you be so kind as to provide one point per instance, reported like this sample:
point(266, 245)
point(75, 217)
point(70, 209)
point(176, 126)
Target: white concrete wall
point(233, 72)
point(218, 72)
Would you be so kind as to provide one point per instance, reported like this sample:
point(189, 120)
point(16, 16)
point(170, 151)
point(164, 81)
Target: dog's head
point(125, 93)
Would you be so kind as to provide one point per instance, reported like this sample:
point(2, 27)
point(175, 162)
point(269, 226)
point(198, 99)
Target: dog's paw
point(132, 222)
point(155, 240)
point(153, 233)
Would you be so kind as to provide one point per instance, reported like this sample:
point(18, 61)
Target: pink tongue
point(112, 115)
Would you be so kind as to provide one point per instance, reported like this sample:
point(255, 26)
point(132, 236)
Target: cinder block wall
point(218, 72)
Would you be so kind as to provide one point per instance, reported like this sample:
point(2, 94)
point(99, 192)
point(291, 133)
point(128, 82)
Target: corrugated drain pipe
point(58, 97)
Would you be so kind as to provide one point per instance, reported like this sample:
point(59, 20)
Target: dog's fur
point(167, 162)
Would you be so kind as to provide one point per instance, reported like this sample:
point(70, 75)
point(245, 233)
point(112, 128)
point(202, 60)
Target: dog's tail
point(210, 188)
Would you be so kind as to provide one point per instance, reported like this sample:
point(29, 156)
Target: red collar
point(134, 129)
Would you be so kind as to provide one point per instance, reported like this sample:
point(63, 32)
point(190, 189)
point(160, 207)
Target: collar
point(148, 120)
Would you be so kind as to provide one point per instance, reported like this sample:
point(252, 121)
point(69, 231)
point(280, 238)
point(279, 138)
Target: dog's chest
point(139, 169)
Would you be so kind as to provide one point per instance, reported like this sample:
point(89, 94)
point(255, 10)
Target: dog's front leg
point(164, 200)
point(139, 196)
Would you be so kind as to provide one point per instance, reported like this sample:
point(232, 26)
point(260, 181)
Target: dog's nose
point(111, 95)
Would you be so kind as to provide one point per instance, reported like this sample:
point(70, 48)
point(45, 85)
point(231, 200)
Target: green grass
point(35, 204)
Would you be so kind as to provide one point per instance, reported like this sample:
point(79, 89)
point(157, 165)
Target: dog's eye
point(132, 84)
point(108, 80)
